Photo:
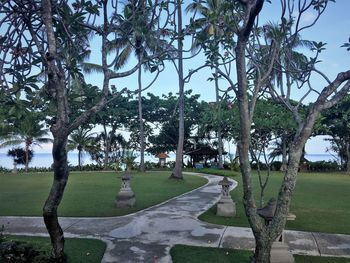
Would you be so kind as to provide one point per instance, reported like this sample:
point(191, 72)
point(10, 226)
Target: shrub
point(262, 166)
point(89, 167)
point(19, 155)
point(4, 170)
point(276, 166)
point(323, 166)
point(170, 164)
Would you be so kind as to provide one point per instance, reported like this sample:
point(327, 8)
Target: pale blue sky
point(333, 28)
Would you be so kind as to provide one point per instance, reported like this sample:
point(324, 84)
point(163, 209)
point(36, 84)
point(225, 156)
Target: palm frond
point(196, 7)
point(117, 44)
point(42, 140)
point(123, 57)
point(11, 143)
point(90, 68)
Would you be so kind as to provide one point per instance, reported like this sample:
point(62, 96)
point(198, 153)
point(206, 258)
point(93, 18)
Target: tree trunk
point(177, 172)
point(236, 159)
point(79, 159)
point(262, 253)
point(27, 158)
point(348, 158)
point(57, 88)
point(61, 173)
point(106, 148)
point(284, 153)
point(142, 132)
point(220, 145)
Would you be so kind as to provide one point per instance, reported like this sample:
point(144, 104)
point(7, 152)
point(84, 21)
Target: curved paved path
point(148, 235)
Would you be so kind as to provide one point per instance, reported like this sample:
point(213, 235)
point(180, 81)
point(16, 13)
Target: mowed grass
point(77, 250)
point(320, 202)
point(88, 193)
point(191, 254)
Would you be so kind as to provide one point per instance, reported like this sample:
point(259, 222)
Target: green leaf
point(153, 69)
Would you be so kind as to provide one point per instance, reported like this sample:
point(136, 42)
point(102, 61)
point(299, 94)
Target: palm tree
point(28, 131)
point(290, 65)
point(177, 172)
point(82, 140)
point(137, 35)
point(212, 12)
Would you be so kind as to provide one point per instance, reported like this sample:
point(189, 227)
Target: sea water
point(45, 159)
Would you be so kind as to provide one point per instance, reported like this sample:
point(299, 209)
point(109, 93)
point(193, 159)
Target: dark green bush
point(323, 166)
point(276, 166)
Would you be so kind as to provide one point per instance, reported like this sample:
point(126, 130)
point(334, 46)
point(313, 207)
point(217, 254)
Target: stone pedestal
point(125, 197)
point(14, 170)
point(280, 253)
point(226, 207)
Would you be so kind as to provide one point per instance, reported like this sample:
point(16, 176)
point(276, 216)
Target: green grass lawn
point(320, 203)
point(88, 193)
point(191, 254)
point(77, 250)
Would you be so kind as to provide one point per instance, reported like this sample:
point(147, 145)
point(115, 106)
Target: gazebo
point(162, 159)
point(203, 153)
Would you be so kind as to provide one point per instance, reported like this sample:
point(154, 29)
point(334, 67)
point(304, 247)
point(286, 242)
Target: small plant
point(129, 160)
point(233, 163)
point(116, 165)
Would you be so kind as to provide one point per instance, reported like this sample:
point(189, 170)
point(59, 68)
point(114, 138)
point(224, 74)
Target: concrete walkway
point(148, 235)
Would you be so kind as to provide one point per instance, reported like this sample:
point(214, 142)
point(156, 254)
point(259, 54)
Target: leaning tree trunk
point(220, 144)
point(142, 132)
point(61, 173)
point(261, 254)
point(177, 172)
point(284, 153)
point(348, 158)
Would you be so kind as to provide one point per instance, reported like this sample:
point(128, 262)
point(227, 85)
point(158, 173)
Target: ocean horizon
point(45, 159)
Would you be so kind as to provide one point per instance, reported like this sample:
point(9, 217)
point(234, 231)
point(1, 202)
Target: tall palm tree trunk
point(27, 157)
point(220, 144)
point(79, 159)
point(142, 132)
point(106, 148)
point(177, 172)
